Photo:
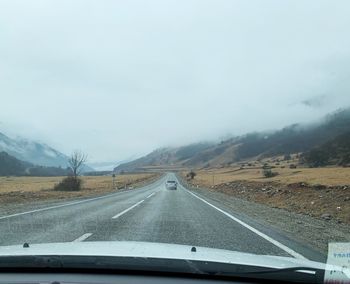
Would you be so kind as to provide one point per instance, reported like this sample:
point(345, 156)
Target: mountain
point(33, 152)
point(11, 166)
point(164, 156)
point(108, 166)
point(333, 152)
point(295, 138)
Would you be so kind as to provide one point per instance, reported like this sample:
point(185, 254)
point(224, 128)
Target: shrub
point(292, 166)
point(268, 173)
point(287, 157)
point(266, 166)
point(69, 184)
point(191, 175)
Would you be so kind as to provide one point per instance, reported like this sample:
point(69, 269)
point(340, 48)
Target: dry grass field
point(30, 189)
point(313, 176)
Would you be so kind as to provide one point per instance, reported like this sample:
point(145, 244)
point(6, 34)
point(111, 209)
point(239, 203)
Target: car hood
point(156, 251)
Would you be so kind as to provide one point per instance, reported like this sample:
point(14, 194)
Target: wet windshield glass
point(243, 107)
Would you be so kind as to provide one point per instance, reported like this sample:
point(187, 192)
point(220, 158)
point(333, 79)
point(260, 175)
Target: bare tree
point(76, 162)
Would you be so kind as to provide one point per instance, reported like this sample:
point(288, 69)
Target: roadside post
point(113, 180)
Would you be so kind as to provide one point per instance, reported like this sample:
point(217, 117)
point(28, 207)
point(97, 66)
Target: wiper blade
point(300, 269)
point(301, 274)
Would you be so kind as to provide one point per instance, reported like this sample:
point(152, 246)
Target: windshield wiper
point(302, 274)
point(301, 269)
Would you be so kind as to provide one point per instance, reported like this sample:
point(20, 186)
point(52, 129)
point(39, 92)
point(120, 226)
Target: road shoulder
point(309, 234)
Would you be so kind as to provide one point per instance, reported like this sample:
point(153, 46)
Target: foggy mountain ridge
point(11, 166)
point(33, 152)
point(296, 138)
point(334, 152)
point(166, 156)
point(108, 166)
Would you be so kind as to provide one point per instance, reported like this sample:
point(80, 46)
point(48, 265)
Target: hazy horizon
point(119, 79)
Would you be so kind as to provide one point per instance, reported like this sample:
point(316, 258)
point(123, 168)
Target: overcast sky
point(120, 78)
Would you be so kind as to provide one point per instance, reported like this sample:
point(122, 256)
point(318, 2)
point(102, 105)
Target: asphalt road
point(151, 214)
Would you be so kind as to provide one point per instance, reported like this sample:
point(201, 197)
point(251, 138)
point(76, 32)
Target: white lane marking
point(83, 237)
point(150, 195)
point(128, 209)
point(264, 236)
point(73, 203)
point(59, 206)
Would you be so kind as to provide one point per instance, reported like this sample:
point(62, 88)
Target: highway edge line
point(83, 237)
point(264, 236)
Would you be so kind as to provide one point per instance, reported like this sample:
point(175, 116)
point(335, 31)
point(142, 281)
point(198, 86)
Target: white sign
point(338, 263)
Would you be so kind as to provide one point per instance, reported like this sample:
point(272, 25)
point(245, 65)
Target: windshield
point(243, 106)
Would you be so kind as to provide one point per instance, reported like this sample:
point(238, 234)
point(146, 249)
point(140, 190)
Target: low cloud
point(120, 78)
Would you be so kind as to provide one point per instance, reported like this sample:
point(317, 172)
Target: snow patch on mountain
point(33, 152)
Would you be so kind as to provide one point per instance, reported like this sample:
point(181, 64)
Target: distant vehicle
point(171, 184)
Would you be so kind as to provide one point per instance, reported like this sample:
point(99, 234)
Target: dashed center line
point(150, 195)
point(128, 209)
point(87, 235)
point(83, 237)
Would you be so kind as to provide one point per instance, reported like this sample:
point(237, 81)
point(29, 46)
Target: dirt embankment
point(331, 202)
point(327, 202)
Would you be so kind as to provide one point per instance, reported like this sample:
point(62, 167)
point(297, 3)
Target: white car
point(171, 184)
